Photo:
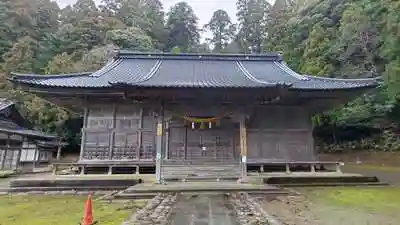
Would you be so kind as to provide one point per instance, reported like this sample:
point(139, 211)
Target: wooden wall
point(118, 132)
point(277, 133)
point(127, 132)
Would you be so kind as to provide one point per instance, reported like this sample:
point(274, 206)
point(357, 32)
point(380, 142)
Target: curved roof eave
point(27, 75)
point(191, 70)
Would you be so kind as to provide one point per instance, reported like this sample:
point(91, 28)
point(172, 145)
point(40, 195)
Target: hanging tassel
point(209, 125)
point(193, 125)
point(201, 125)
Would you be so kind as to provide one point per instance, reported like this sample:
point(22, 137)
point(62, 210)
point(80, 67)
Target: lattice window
point(148, 149)
point(100, 117)
point(97, 145)
point(149, 119)
point(99, 122)
point(10, 159)
point(128, 117)
point(125, 146)
point(97, 138)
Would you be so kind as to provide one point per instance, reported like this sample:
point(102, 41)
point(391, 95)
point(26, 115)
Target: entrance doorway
point(209, 143)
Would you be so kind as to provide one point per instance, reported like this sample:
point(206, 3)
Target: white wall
point(28, 152)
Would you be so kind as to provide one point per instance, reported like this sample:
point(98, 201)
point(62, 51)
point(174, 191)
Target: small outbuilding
point(22, 148)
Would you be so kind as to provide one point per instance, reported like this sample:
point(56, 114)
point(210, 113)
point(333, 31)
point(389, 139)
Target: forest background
point(330, 38)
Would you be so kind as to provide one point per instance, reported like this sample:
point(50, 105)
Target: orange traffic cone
point(88, 213)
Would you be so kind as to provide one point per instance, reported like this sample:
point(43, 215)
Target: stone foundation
point(249, 212)
point(72, 192)
point(155, 212)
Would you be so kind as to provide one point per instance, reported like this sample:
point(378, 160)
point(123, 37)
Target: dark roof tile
point(193, 70)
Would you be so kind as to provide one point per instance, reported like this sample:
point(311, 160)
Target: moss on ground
point(373, 199)
point(374, 167)
point(6, 173)
point(57, 210)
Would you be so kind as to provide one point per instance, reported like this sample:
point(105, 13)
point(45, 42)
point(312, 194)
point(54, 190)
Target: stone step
point(150, 194)
point(200, 167)
point(68, 190)
point(204, 190)
point(200, 171)
point(336, 184)
point(135, 196)
point(202, 179)
point(283, 180)
point(199, 162)
point(195, 175)
point(74, 182)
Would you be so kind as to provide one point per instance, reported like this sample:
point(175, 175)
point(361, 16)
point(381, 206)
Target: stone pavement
point(203, 210)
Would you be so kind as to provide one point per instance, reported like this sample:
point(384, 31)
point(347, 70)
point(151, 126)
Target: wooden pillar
point(83, 138)
point(20, 153)
point(34, 157)
point(166, 156)
point(185, 144)
point(112, 134)
point(59, 147)
point(3, 160)
point(140, 138)
point(159, 143)
point(243, 148)
point(338, 165)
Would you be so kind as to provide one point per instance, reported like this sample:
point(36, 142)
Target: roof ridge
point(250, 76)
point(125, 54)
point(291, 72)
point(145, 78)
point(106, 68)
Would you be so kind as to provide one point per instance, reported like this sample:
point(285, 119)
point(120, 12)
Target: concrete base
point(318, 179)
point(64, 183)
point(222, 187)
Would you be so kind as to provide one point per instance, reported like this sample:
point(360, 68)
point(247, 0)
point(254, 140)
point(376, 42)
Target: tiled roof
point(10, 127)
point(4, 104)
point(192, 70)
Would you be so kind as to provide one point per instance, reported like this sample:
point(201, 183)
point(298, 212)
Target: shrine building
point(186, 115)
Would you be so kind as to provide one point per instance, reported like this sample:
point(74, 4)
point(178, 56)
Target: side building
point(22, 148)
point(195, 114)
